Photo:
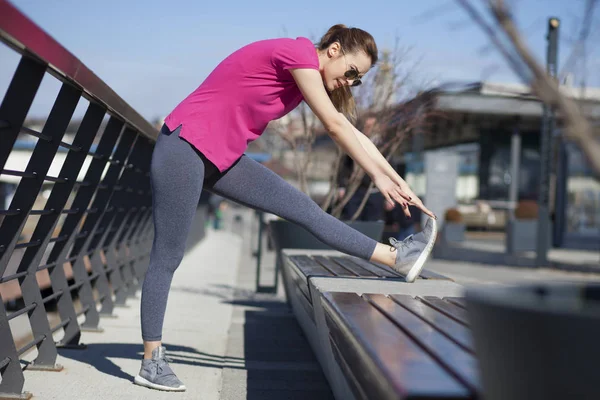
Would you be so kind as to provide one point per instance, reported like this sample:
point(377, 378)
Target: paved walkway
point(195, 334)
point(493, 252)
point(471, 273)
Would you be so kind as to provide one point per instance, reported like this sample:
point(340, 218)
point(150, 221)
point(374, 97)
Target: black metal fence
point(88, 244)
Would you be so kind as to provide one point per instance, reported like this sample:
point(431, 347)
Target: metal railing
point(258, 253)
point(93, 236)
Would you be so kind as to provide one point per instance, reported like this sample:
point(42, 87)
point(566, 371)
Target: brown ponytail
point(351, 40)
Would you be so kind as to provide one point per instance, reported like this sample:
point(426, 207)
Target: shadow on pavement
point(279, 362)
point(99, 355)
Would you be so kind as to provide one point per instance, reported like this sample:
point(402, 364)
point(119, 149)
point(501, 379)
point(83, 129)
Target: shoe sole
point(144, 382)
point(414, 272)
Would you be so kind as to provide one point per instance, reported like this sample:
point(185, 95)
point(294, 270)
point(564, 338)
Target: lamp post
point(546, 150)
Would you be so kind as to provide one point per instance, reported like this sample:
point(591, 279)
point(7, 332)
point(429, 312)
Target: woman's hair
point(351, 40)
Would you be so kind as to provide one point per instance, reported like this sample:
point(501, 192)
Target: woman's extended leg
point(177, 174)
point(254, 185)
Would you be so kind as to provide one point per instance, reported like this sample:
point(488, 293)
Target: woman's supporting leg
point(255, 186)
point(177, 175)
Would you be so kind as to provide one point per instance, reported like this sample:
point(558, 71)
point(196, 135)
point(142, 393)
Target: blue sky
point(153, 53)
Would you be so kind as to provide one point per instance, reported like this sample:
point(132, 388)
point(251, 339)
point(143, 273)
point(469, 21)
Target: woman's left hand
point(415, 201)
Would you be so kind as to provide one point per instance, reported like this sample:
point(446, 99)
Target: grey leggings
point(178, 174)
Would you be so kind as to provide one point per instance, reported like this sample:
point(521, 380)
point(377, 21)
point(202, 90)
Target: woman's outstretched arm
point(384, 165)
point(310, 83)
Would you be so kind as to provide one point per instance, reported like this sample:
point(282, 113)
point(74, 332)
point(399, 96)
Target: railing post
point(13, 111)
point(17, 101)
point(12, 374)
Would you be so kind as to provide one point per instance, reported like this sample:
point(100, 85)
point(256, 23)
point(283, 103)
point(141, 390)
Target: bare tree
point(521, 60)
point(299, 131)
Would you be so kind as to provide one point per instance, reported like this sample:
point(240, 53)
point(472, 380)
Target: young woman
point(202, 144)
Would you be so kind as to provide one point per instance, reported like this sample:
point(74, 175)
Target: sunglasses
point(352, 73)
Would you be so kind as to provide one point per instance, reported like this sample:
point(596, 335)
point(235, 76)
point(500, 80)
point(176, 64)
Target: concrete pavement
point(492, 251)
point(480, 261)
point(468, 273)
point(195, 334)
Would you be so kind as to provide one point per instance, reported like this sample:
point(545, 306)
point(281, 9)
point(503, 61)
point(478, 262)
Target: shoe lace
point(161, 363)
point(400, 245)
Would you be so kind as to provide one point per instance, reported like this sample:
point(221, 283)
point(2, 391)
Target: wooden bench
point(378, 337)
point(400, 347)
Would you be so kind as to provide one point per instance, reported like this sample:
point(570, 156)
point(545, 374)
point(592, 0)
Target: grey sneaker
point(412, 252)
point(156, 373)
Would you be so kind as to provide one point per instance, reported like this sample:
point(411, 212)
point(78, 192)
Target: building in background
point(479, 121)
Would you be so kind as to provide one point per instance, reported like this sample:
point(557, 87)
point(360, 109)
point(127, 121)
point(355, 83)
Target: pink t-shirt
point(246, 91)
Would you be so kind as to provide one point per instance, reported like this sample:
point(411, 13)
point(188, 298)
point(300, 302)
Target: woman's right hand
point(392, 192)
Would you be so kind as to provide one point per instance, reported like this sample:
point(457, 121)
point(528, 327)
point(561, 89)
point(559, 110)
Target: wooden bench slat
point(356, 269)
point(454, 330)
point(375, 269)
point(457, 301)
point(335, 268)
point(406, 368)
point(451, 310)
point(309, 267)
point(462, 364)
